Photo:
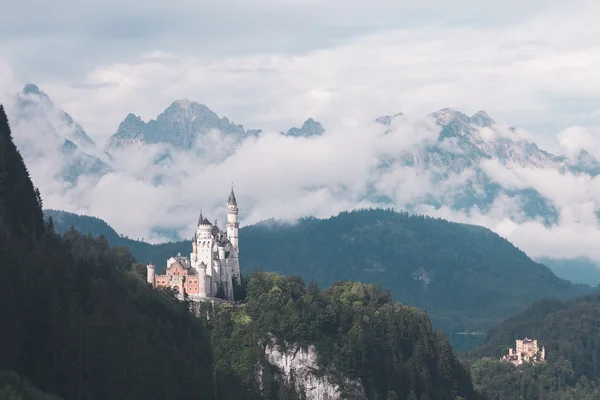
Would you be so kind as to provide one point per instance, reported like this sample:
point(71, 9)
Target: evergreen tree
point(76, 321)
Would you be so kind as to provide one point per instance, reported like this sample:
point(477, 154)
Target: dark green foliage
point(12, 387)
point(464, 275)
point(143, 252)
point(240, 291)
point(567, 329)
point(20, 202)
point(75, 321)
point(356, 330)
point(570, 332)
point(553, 381)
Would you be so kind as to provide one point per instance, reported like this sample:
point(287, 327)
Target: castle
point(527, 350)
point(213, 264)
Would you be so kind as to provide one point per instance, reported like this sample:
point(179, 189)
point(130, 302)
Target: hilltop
point(467, 277)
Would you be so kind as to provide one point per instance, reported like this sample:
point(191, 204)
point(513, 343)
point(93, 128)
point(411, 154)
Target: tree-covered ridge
point(466, 276)
point(143, 252)
point(570, 332)
point(556, 380)
point(568, 329)
point(359, 334)
point(76, 322)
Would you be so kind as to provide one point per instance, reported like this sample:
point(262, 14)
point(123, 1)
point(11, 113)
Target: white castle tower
point(213, 262)
point(232, 231)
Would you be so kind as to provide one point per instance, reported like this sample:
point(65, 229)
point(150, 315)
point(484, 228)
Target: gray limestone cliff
point(301, 364)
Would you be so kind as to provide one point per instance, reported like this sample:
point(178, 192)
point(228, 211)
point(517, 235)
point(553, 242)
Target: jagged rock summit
point(387, 119)
point(481, 118)
point(180, 125)
point(309, 128)
point(466, 149)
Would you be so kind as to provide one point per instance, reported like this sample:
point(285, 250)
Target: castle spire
point(232, 201)
point(200, 219)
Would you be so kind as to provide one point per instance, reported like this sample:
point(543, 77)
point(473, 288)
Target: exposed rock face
point(310, 127)
point(180, 126)
point(302, 365)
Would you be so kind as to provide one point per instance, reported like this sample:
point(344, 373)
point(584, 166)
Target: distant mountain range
point(467, 277)
point(472, 146)
point(457, 169)
point(458, 161)
point(180, 126)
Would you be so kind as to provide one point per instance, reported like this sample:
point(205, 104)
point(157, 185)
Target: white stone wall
point(304, 364)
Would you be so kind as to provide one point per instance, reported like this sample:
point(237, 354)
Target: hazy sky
point(270, 64)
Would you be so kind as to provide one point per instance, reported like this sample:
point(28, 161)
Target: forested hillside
point(466, 276)
point(75, 321)
point(368, 346)
point(570, 332)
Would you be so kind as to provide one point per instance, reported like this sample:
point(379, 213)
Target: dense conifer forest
point(358, 332)
point(570, 332)
point(76, 322)
point(465, 276)
point(80, 322)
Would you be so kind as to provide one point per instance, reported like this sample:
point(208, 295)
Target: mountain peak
point(31, 88)
point(447, 115)
point(132, 118)
point(182, 103)
point(180, 125)
point(387, 119)
point(310, 127)
point(481, 118)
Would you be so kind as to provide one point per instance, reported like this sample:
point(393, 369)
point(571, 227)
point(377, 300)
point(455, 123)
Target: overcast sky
point(270, 64)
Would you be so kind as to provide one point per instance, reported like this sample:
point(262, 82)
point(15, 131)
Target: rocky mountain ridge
point(459, 167)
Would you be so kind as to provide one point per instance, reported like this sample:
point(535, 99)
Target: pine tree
point(20, 202)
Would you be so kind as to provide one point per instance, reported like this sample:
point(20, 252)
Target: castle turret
point(202, 280)
point(232, 222)
point(194, 255)
point(150, 273)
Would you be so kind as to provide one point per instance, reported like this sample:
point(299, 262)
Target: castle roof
point(178, 261)
point(205, 221)
point(232, 201)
